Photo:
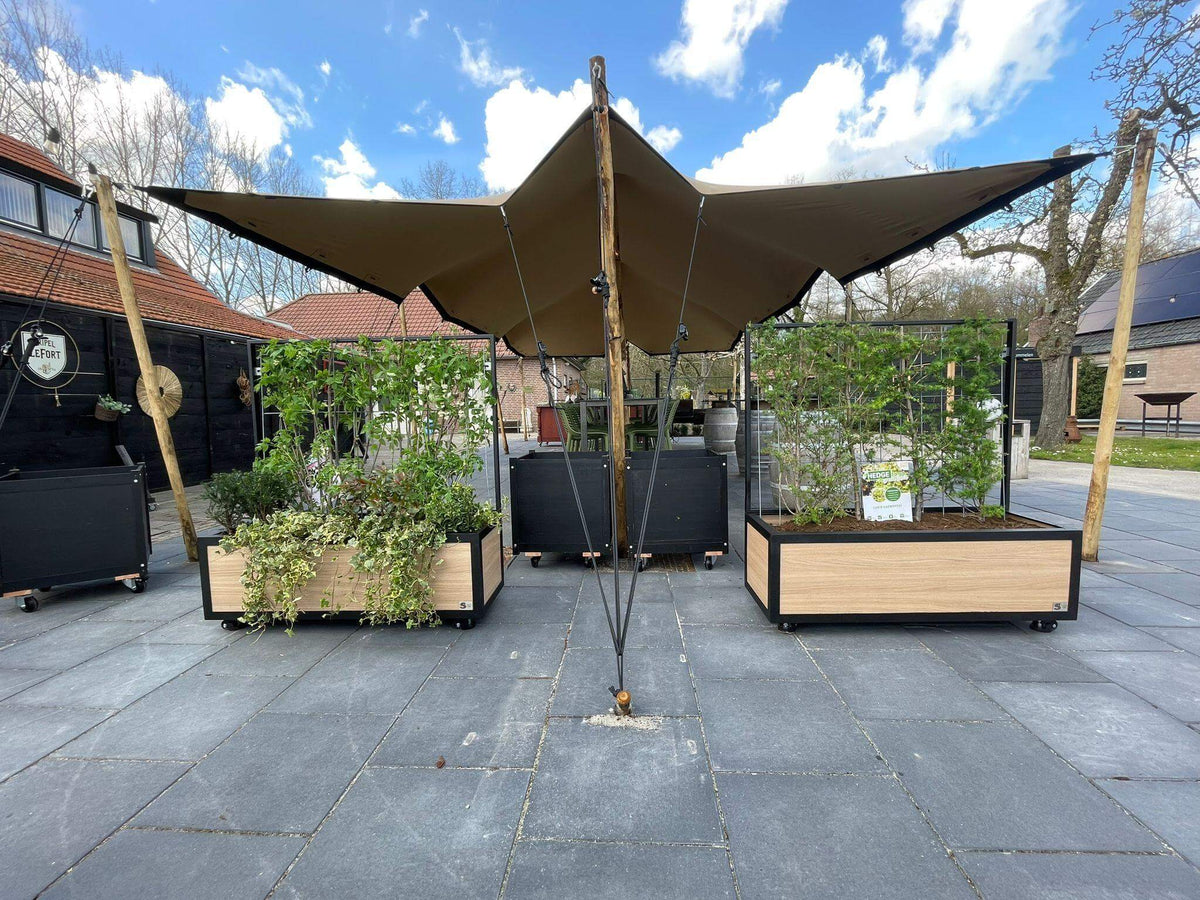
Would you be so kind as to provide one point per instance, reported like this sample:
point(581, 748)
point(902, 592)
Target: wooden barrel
point(762, 426)
point(720, 428)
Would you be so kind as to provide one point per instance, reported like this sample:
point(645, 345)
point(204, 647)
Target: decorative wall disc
point(170, 389)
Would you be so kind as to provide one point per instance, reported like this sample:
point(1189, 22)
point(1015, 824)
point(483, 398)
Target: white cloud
point(664, 139)
point(351, 175)
point(285, 95)
point(770, 88)
point(405, 128)
point(837, 121)
point(245, 115)
point(415, 23)
point(420, 107)
point(924, 21)
point(325, 68)
point(715, 35)
point(445, 131)
point(475, 60)
point(523, 123)
point(876, 52)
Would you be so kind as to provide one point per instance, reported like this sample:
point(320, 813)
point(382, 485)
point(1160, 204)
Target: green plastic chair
point(597, 427)
point(568, 414)
point(648, 428)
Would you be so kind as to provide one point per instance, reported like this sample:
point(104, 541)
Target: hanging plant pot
point(104, 414)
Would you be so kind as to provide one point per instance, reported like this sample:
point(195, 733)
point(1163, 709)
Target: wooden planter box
point(544, 515)
point(68, 526)
point(917, 576)
point(465, 583)
point(689, 512)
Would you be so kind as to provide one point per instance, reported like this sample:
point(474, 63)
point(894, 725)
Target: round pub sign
point(53, 357)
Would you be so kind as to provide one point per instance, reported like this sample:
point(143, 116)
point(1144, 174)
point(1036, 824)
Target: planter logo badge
point(886, 492)
point(54, 358)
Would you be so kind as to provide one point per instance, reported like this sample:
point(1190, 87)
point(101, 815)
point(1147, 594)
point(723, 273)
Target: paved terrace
point(145, 752)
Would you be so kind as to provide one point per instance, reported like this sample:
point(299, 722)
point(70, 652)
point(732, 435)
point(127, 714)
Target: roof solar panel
point(1167, 290)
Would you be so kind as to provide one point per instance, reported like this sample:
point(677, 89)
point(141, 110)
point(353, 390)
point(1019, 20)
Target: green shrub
point(1089, 389)
point(237, 497)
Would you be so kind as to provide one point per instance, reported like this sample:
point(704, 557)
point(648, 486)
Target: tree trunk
point(1056, 399)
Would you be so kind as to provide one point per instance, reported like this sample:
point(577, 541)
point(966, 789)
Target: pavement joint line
point(188, 829)
point(895, 774)
point(450, 768)
point(362, 768)
point(603, 842)
point(188, 768)
point(537, 756)
point(712, 774)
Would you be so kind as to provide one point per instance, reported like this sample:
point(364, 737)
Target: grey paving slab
point(1135, 606)
point(165, 865)
point(70, 644)
point(859, 637)
point(1114, 562)
point(990, 786)
point(651, 585)
point(659, 775)
point(534, 605)
point(533, 651)
point(15, 624)
point(782, 726)
point(1185, 565)
point(55, 812)
point(1003, 653)
point(193, 628)
point(1171, 681)
point(652, 623)
point(27, 733)
point(658, 678)
point(13, 681)
point(727, 572)
point(1181, 586)
point(1094, 630)
point(116, 678)
point(358, 678)
point(845, 837)
point(1170, 808)
point(275, 652)
point(730, 605)
point(1081, 876)
point(470, 722)
point(152, 606)
point(184, 719)
point(718, 651)
point(904, 684)
point(279, 773)
point(551, 871)
point(427, 833)
point(1103, 730)
point(553, 570)
point(401, 639)
point(1183, 638)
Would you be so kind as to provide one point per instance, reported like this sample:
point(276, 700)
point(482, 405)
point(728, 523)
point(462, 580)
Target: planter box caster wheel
point(708, 562)
point(534, 560)
point(589, 563)
point(788, 627)
point(232, 625)
point(641, 565)
point(28, 604)
point(464, 624)
point(137, 585)
point(1044, 625)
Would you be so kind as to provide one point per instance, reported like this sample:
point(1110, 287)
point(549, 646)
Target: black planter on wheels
point(545, 518)
point(689, 511)
point(71, 526)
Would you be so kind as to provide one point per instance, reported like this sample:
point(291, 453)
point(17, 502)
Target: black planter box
point(545, 518)
point(73, 525)
point(689, 511)
point(914, 576)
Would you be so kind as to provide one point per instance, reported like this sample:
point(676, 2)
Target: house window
point(131, 234)
point(1135, 371)
point(60, 212)
point(18, 200)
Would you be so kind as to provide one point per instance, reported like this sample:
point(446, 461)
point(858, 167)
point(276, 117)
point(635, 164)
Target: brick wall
point(1167, 369)
point(512, 374)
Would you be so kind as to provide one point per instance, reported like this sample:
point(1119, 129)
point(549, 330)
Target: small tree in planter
point(421, 409)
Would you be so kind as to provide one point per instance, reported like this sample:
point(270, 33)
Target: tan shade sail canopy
point(759, 250)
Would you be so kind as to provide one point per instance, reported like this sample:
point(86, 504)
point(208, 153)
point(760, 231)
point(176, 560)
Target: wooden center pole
point(112, 227)
point(616, 351)
point(1093, 515)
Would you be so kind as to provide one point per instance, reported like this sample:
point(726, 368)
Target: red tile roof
point(353, 313)
point(165, 294)
point(31, 157)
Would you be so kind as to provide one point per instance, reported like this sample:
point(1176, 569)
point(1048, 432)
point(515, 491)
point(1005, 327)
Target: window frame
point(1126, 378)
point(39, 212)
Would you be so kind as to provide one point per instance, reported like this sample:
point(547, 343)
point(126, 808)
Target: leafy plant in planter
point(108, 408)
point(424, 408)
point(237, 497)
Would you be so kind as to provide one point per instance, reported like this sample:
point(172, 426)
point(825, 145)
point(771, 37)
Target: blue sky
point(804, 89)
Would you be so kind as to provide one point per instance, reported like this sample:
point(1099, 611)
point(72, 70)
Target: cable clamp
point(600, 286)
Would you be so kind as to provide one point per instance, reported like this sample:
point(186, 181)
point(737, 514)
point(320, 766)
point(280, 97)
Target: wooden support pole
point(162, 428)
point(616, 351)
point(1093, 515)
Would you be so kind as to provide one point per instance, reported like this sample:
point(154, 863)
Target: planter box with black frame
point(545, 518)
point(689, 511)
point(467, 578)
point(70, 526)
point(968, 575)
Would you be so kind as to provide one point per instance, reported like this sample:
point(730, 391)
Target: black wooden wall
point(1028, 394)
point(213, 430)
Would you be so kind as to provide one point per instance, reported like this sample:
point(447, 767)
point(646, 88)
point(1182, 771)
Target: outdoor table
point(639, 404)
point(1167, 399)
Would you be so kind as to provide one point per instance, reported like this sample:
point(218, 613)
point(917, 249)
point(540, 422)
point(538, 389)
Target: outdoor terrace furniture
point(647, 428)
point(1167, 399)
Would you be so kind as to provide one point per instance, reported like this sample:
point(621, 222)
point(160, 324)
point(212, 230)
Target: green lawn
point(1144, 453)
